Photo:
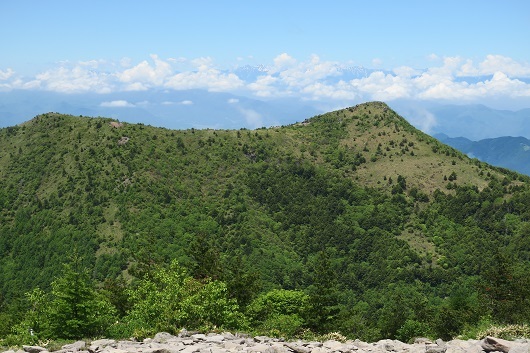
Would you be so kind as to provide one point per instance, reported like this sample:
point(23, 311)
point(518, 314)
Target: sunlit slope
point(355, 181)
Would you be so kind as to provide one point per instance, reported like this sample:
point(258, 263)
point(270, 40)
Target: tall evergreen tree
point(76, 309)
point(206, 256)
point(324, 297)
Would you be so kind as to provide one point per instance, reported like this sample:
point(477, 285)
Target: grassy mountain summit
point(366, 143)
point(384, 210)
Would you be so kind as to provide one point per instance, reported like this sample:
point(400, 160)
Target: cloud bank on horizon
point(448, 79)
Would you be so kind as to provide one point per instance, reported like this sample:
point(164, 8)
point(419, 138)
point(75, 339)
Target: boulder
point(164, 337)
point(435, 349)
point(33, 349)
point(198, 337)
point(319, 350)
point(332, 345)
point(161, 350)
point(423, 340)
point(258, 348)
point(298, 347)
point(315, 344)
point(191, 349)
point(214, 350)
point(74, 347)
point(491, 344)
point(277, 348)
point(464, 346)
point(228, 336)
point(215, 338)
point(233, 346)
point(109, 349)
point(98, 345)
point(261, 339)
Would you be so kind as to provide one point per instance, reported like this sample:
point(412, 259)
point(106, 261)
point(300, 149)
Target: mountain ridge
point(507, 152)
point(381, 206)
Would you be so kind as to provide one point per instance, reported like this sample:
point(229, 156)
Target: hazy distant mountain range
point(203, 109)
point(507, 152)
point(478, 122)
point(162, 108)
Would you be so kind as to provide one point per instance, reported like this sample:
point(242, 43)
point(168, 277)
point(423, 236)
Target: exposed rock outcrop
point(191, 342)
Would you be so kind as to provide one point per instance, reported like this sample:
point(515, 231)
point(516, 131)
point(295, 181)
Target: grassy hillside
point(385, 208)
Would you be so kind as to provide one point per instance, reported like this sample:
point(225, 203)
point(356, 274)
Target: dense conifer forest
point(351, 221)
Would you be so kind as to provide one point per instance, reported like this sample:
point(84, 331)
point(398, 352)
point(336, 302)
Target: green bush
point(76, 309)
point(278, 301)
point(280, 325)
point(169, 299)
point(279, 312)
point(412, 329)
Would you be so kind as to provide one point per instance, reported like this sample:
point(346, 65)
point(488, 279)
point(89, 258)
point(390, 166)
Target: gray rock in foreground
point(187, 342)
point(492, 344)
point(33, 349)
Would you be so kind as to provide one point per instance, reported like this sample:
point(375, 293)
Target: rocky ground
point(229, 343)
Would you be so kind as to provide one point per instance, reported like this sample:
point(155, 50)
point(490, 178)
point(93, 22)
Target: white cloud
point(4, 75)
point(433, 57)
point(253, 118)
point(184, 102)
point(381, 86)
point(467, 69)
point(307, 73)
point(210, 79)
point(126, 62)
point(145, 75)
point(202, 62)
point(420, 117)
point(177, 60)
point(117, 104)
point(74, 80)
point(377, 62)
point(34, 84)
point(405, 71)
point(428, 122)
point(320, 80)
point(206, 77)
point(92, 64)
point(282, 61)
point(264, 86)
point(500, 85)
point(341, 91)
point(496, 63)
point(136, 86)
point(446, 78)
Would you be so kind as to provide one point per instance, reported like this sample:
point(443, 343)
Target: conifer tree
point(323, 295)
point(76, 309)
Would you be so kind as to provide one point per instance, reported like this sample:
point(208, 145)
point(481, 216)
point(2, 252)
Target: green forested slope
point(389, 232)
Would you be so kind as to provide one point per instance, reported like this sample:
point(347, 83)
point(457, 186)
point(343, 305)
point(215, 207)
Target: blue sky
point(448, 51)
point(38, 34)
